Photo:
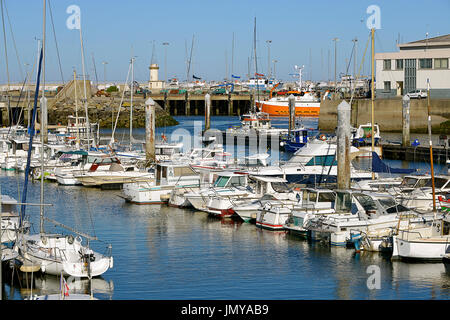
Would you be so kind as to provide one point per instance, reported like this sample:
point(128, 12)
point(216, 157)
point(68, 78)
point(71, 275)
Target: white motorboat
point(169, 176)
point(360, 211)
point(314, 203)
point(267, 189)
point(113, 174)
point(427, 243)
point(273, 216)
point(218, 199)
point(313, 164)
point(256, 123)
point(362, 139)
point(421, 199)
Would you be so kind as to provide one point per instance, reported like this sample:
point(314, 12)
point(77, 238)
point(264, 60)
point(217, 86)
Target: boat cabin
point(230, 180)
point(100, 161)
point(317, 199)
point(270, 185)
point(363, 135)
point(367, 205)
point(8, 206)
point(171, 173)
point(260, 120)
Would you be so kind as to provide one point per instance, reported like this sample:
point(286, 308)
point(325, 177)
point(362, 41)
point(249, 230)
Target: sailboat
point(57, 253)
point(256, 121)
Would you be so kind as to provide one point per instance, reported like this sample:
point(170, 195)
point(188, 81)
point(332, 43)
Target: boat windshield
point(387, 203)
point(438, 182)
point(366, 202)
point(280, 187)
point(221, 182)
point(326, 197)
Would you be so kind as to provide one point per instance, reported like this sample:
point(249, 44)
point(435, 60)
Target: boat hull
point(281, 108)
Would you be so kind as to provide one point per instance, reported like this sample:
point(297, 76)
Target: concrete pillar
point(230, 105)
point(207, 111)
point(291, 100)
point(44, 119)
point(188, 105)
point(406, 107)
point(150, 130)
point(343, 145)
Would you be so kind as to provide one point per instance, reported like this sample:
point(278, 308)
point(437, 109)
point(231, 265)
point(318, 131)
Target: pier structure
point(193, 103)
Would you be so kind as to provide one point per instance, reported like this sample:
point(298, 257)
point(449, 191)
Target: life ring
point(322, 137)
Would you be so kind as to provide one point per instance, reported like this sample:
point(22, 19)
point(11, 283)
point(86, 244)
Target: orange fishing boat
point(306, 105)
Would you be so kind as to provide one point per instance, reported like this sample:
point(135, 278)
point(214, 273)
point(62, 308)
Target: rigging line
point(27, 170)
point(56, 42)
point(120, 105)
point(14, 43)
point(4, 43)
point(360, 67)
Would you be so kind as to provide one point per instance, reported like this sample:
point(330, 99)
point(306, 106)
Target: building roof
point(435, 41)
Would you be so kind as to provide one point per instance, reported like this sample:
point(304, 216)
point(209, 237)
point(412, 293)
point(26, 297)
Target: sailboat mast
point(256, 68)
point(43, 134)
point(373, 94)
point(85, 94)
point(131, 102)
point(431, 145)
point(76, 108)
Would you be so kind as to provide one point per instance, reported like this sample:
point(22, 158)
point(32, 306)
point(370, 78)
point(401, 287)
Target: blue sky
point(301, 34)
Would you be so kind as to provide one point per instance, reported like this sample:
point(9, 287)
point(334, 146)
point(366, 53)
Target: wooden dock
point(415, 154)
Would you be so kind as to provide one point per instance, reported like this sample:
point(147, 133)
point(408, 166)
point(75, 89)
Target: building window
point(386, 64)
point(441, 63)
point(399, 64)
point(425, 63)
point(387, 86)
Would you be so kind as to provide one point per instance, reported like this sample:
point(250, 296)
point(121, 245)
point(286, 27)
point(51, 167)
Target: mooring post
point(406, 107)
point(291, 100)
point(150, 130)
point(188, 105)
point(207, 112)
point(44, 119)
point(343, 145)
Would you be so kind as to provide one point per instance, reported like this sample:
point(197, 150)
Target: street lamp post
point(268, 58)
point(165, 44)
point(104, 71)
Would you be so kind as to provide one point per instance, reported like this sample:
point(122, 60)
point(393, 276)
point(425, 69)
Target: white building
point(398, 73)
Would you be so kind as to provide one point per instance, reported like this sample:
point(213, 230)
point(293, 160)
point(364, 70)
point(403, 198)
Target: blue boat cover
point(379, 166)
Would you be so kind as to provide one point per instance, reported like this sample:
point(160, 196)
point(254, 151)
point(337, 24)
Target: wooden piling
point(291, 100)
point(150, 130)
point(406, 107)
point(343, 145)
point(207, 111)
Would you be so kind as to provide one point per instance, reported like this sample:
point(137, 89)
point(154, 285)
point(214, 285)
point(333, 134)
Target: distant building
point(155, 83)
point(398, 73)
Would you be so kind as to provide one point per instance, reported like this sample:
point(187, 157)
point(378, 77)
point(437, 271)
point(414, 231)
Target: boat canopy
point(379, 166)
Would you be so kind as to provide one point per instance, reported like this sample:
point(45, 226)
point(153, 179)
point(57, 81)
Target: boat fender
point(70, 239)
point(111, 262)
point(43, 268)
point(44, 240)
point(78, 239)
point(323, 137)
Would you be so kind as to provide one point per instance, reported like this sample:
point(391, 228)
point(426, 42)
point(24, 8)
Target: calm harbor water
point(168, 253)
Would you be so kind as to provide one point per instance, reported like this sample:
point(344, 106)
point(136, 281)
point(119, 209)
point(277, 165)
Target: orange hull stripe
point(284, 111)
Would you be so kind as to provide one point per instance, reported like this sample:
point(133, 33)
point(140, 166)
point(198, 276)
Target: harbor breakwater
point(388, 114)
